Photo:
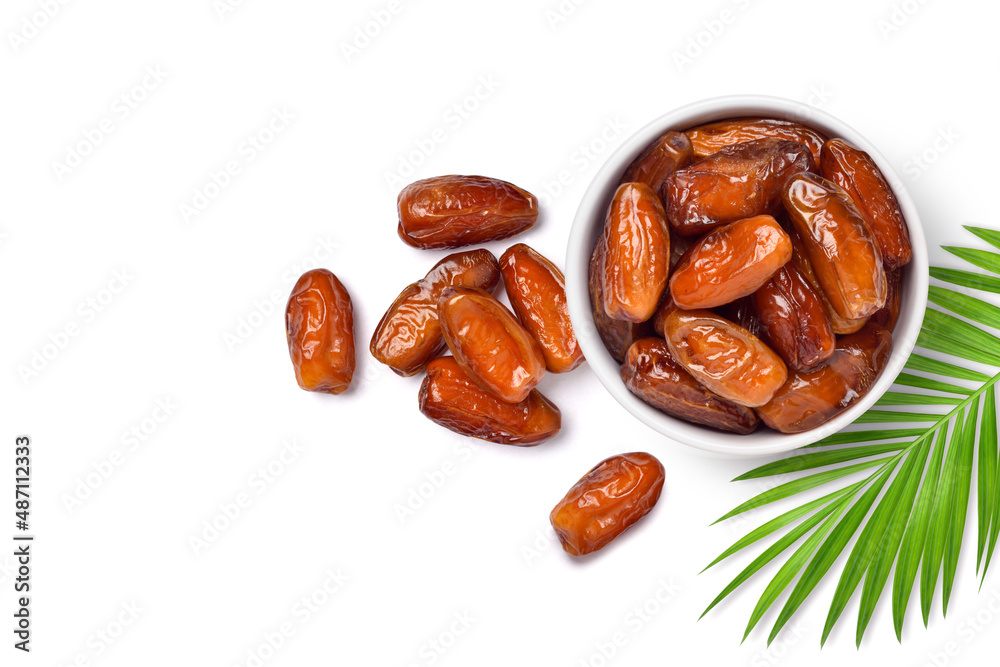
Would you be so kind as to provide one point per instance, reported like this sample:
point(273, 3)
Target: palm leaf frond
point(907, 507)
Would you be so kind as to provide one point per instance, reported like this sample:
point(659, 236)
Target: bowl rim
point(589, 220)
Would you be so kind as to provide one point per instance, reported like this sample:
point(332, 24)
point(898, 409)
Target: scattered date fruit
point(449, 397)
point(319, 324)
point(606, 501)
point(489, 343)
point(409, 334)
point(456, 211)
point(536, 290)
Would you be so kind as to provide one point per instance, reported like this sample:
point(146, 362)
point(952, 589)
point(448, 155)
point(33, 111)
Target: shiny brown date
point(679, 245)
point(859, 176)
point(450, 398)
point(840, 247)
point(636, 254)
point(455, 211)
point(738, 182)
point(651, 373)
point(672, 151)
point(889, 314)
point(729, 263)
point(712, 137)
point(617, 335)
point(794, 319)
point(801, 261)
point(663, 311)
point(409, 334)
point(319, 324)
point(724, 357)
point(615, 494)
point(489, 343)
point(536, 289)
point(744, 313)
point(812, 397)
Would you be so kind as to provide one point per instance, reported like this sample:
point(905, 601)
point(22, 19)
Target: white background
point(566, 89)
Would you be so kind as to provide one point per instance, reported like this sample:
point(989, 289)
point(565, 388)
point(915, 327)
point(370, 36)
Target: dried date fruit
point(738, 182)
point(537, 292)
point(800, 259)
point(663, 311)
point(651, 373)
point(679, 245)
point(840, 247)
point(450, 398)
point(409, 334)
point(794, 319)
point(617, 335)
point(672, 151)
point(889, 313)
point(319, 324)
point(859, 176)
point(615, 494)
point(812, 397)
point(636, 254)
point(729, 263)
point(489, 343)
point(712, 137)
point(744, 313)
point(724, 357)
point(455, 211)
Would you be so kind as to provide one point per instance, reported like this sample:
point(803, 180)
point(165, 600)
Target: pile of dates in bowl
point(749, 275)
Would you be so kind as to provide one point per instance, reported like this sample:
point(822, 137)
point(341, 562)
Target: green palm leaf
point(907, 508)
point(989, 513)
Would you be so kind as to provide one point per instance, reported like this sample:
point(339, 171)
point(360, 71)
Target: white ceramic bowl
point(590, 221)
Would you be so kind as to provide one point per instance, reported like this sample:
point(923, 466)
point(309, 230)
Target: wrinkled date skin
point(615, 494)
point(812, 397)
point(319, 324)
point(738, 182)
point(889, 314)
point(711, 138)
point(455, 211)
point(636, 254)
point(794, 319)
point(537, 292)
point(730, 262)
point(724, 357)
point(839, 324)
point(617, 335)
point(489, 343)
point(450, 398)
point(409, 334)
point(839, 245)
point(859, 176)
point(651, 373)
point(670, 152)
